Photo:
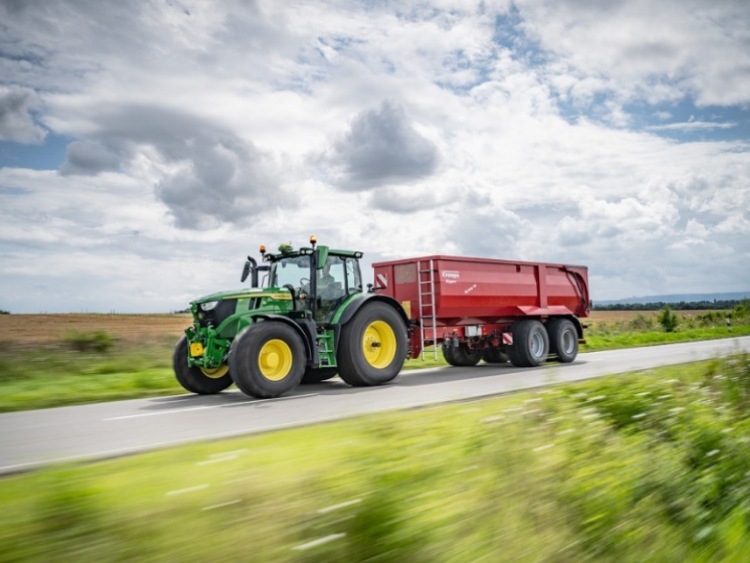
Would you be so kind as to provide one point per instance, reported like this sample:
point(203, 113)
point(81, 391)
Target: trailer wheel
point(563, 339)
point(373, 346)
point(494, 356)
point(267, 360)
point(461, 356)
point(317, 375)
point(195, 379)
point(530, 343)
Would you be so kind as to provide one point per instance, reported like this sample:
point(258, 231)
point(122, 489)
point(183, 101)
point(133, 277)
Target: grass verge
point(649, 466)
point(70, 373)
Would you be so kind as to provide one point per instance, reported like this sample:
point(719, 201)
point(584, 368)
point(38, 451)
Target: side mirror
point(245, 271)
point(250, 266)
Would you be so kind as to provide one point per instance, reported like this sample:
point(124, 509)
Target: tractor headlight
point(209, 306)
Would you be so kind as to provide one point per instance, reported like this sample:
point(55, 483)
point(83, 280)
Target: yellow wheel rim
point(215, 373)
point(379, 344)
point(275, 360)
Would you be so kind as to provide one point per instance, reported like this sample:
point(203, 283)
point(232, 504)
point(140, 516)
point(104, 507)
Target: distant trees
point(717, 305)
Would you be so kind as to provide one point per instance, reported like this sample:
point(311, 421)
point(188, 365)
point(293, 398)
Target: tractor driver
point(325, 278)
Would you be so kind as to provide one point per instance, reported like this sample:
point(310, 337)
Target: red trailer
point(495, 310)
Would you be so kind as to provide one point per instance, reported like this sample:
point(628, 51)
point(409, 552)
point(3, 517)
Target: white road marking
point(205, 407)
point(319, 541)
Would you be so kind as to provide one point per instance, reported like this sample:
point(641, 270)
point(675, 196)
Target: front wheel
point(530, 343)
point(198, 380)
point(267, 360)
point(373, 344)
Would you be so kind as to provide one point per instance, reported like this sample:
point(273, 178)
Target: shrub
point(98, 341)
point(668, 320)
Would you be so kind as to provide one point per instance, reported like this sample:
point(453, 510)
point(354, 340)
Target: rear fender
point(310, 350)
point(349, 308)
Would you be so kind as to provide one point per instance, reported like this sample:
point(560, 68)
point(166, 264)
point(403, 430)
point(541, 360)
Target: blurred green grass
point(80, 369)
point(652, 466)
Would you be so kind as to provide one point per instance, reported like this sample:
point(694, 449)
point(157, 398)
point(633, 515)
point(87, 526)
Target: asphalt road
point(35, 438)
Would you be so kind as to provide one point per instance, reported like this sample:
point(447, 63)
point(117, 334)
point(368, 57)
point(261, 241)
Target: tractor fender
point(298, 329)
point(347, 312)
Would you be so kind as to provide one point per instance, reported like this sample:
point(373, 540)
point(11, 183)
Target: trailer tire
point(563, 339)
point(494, 356)
point(195, 379)
point(312, 376)
point(373, 346)
point(461, 356)
point(267, 360)
point(530, 343)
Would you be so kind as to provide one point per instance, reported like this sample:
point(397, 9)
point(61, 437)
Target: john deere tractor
point(309, 321)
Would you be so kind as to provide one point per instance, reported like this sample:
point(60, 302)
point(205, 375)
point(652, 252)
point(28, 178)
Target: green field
point(653, 466)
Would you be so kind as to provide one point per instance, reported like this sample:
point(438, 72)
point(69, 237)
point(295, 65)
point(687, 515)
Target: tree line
point(716, 305)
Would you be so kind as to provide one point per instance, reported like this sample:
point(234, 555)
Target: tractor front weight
point(206, 349)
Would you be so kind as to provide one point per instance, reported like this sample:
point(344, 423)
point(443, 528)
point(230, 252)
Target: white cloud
point(691, 126)
point(16, 122)
point(486, 128)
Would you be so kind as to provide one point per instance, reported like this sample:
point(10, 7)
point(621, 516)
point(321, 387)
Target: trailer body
point(478, 305)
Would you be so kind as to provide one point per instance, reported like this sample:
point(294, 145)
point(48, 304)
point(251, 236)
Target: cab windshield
point(294, 270)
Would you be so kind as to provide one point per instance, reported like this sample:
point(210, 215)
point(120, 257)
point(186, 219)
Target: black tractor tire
point(373, 346)
point(267, 360)
point(194, 379)
point(563, 339)
point(494, 356)
point(449, 353)
point(530, 343)
point(463, 357)
point(312, 376)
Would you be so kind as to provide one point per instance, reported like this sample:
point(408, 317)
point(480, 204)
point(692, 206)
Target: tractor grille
point(216, 316)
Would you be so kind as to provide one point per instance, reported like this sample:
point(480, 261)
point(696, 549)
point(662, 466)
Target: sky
point(148, 147)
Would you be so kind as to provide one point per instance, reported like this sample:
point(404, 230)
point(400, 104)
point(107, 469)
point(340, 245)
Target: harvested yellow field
point(40, 329)
point(30, 329)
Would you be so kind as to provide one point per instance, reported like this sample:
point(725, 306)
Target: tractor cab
point(318, 278)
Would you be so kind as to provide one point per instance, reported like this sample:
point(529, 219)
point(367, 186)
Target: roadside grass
point(86, 367)
point(613, 339)
point(652, 466)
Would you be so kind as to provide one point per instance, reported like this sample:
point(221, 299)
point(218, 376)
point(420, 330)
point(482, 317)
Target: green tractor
point(309, 321)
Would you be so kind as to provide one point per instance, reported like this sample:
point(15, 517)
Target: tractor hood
point(245, 293)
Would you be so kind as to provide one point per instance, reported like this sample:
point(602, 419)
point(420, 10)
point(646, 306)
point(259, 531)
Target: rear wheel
point(563, 339)
point(198, 380)
point(494, 356)
point(373, 346)
point(461, 355)
point(267, 360)
point(530, 343)
point(317, 375)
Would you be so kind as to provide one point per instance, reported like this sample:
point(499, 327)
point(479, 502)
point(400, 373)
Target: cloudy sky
point(147, 147)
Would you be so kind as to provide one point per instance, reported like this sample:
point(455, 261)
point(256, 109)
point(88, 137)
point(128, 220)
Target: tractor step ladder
point(325, 348)
point(427, 316)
